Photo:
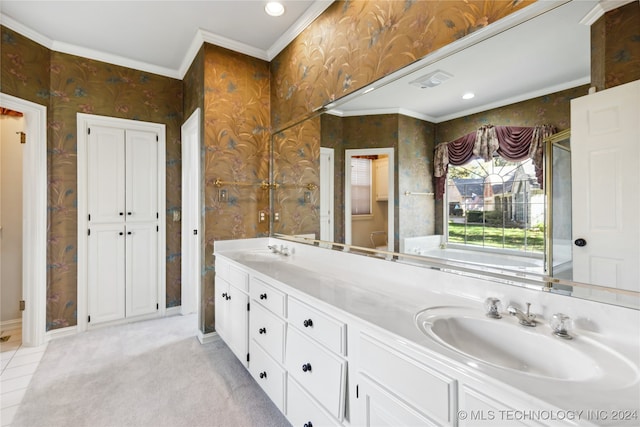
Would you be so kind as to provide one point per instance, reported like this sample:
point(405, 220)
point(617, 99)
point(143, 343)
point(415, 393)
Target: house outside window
point(496, 204)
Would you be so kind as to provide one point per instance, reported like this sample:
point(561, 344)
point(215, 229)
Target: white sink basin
point(260, 255)
point(505, 344)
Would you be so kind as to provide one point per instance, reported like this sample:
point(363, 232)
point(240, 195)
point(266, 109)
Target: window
point(496, 204)
point(360, 186)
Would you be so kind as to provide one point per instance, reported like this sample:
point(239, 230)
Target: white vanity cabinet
point(396, 387)
point(232, 308)
point(267, 329)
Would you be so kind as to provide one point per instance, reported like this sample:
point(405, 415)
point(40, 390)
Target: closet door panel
point(142, 269)
point(142, 176)
point(106, 174)
point(106, 277)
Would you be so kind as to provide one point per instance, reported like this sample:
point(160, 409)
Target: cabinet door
point(238, 327)
point(142, 176)
point(221, 307)
point(381, 167)
point(381, 408)
point(106, 273)
point(106, 174)
point(142, 269)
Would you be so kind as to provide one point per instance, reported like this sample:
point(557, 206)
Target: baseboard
point(208, 338)
point(11, 324)
point(54, 334)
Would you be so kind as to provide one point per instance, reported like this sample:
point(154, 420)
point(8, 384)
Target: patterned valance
point(514, 143)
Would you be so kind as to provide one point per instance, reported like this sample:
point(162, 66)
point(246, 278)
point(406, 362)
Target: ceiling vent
point(431, 80)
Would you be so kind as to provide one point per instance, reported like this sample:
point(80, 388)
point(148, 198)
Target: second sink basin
point(505, 344)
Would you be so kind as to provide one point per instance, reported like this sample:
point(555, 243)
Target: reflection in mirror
point(511, 88)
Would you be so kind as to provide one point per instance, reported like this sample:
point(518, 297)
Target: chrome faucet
point(282, 249)
point(526, 319)
point(492, 305)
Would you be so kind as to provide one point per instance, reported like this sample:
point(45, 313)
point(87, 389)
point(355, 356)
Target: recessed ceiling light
point(274, 8)
point(468, 95)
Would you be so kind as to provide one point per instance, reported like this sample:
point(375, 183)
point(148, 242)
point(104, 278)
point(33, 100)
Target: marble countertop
point(392, 304)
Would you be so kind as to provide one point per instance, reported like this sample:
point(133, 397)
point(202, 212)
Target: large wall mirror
point(360, 173)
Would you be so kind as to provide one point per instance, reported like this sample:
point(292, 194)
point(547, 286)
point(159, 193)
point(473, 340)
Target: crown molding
point(25, 31)
point(298, 27)
point(113, 59)
point(200, 37)
point(601, 8)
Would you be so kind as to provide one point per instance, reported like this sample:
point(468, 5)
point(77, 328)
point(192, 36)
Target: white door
point(106, 174)
point(238, 327)
point(190, 274)
point(141, 268)
point(106, 272)
point(326, 193)
point(141, 176)
point(605, 150)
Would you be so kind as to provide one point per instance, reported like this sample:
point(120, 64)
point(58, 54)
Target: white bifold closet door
point(123, 223)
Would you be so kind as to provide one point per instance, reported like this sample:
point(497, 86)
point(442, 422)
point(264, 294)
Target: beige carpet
point(152, 373)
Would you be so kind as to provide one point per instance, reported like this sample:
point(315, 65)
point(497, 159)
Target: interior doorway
point(364, 228)
point(11, 190)
point(34, 217)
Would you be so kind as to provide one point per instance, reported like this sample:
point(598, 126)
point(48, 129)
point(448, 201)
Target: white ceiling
point(159, 36)
point(546, 54)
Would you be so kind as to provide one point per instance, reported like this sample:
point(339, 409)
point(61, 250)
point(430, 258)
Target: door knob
point(580, 242)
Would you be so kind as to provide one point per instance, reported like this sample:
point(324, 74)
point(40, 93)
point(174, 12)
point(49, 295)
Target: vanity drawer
point(426, 389)
point(319, 371)
point(318, 325)
point(267, 330)
point(268, 296)
point(268, 374)
point(302, 410)
point(238, 278)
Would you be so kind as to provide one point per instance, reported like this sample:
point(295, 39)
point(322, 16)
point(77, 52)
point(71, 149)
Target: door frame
point(347, 192)
point(327, 192)
point(83, 122)
point(34, 252)
point(191, 281)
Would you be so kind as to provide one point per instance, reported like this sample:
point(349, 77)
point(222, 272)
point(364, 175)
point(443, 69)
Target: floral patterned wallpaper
point(236, 151)
point(69, 84)
point(356, 42)
point(615, 47)
point(25, 68)
point(297, 161)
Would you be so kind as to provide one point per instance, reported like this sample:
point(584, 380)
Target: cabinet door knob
point(262, 330)
point(307, 323)
point(263, 296)
point(129, 233)
point(306, 367)
point(128, 213)
point(263, 375)
point(121, 233)
point(580, 242)
point(121, 213)
point(308, 424)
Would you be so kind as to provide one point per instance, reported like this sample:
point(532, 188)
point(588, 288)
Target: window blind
point(360, 186)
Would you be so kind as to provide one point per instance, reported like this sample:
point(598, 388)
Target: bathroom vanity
point(336, 338)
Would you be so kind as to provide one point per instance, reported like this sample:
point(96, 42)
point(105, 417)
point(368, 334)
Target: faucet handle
point(561, 323)
point(492, 306)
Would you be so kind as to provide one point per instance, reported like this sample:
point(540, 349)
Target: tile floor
point(18, 365)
